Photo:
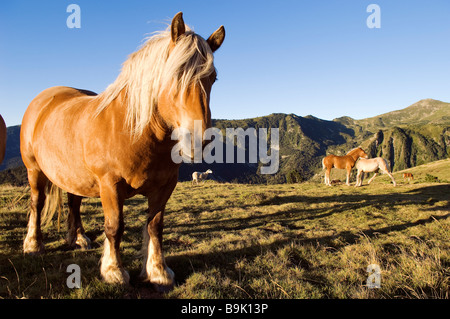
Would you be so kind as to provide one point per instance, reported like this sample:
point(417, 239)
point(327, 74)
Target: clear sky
point(304, 57)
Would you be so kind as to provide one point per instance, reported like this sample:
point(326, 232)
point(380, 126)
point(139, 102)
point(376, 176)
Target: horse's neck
point(155, 132)
point(354, 157)
point(354, 154)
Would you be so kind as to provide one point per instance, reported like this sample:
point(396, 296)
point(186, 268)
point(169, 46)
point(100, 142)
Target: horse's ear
point(177, 27)
point(216, 39)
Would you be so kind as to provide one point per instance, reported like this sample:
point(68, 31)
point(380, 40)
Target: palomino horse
point(2, 139)
point(343, 162)
point(118, 144)
point(369, 166)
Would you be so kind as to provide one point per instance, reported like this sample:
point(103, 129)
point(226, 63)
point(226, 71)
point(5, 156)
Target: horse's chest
point(151, 175)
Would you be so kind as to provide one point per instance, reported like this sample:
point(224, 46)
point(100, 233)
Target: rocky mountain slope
point(409, 137)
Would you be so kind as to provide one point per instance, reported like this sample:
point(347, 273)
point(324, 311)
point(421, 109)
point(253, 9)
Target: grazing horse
point(2, 139)
point(346, 161)
point(369, 166)
point(408, 176)
point(198, 177)
point(118, 144)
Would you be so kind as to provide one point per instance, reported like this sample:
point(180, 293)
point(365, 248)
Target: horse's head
point(166, 84)
point(356, 153)
point(184, 103)
point(360, 153)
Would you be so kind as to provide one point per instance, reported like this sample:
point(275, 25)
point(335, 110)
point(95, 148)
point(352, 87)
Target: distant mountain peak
point(425, 111)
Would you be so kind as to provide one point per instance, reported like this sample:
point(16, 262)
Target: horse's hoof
point(163, 288)
point(83, 242)
point(78, 241)
point(116, 276)
point(33, 247)
point(162, 281)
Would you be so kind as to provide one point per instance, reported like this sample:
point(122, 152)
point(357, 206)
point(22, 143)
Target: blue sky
point(303, 57)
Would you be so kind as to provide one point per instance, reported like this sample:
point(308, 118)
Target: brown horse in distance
point(343, 162)
point(2, 139)
point(408, 176)
point(118, 144)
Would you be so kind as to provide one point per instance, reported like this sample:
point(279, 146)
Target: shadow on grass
point(185, 264)
point(419, 196)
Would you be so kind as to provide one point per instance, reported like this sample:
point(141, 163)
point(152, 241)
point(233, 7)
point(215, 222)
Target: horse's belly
point(61, 160)
point(371, 167)
point(70, 176)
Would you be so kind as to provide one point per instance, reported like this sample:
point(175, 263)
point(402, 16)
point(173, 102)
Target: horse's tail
point(388, 169)
point(53, 203)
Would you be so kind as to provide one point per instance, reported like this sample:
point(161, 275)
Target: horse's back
point(47, 101)
point(328, 160)
point(41, 108)
point(340, 162)
point(370, 165)
point(50, 134)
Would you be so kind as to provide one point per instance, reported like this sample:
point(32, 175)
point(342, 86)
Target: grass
point(254, 241)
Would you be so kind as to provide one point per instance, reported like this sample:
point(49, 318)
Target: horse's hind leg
point(76, 236)
point(392, 178)
point(33, 241)
point(327, 176)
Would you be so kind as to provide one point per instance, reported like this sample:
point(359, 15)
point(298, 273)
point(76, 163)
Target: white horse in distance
point(372, 165)
point(198, 177)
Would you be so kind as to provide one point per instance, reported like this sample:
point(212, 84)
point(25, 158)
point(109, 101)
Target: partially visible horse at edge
point(369, 166)
point(2, 139)
point(118, 144)
point(198, 177)
point(342, 162)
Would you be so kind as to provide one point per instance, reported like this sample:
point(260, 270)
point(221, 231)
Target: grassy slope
point(259, 241)
point(439, 169)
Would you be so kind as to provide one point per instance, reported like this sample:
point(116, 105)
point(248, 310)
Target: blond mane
point(150, 70)
point(351, 152)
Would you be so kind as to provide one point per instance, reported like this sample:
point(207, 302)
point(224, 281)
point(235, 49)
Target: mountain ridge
point(415, 135)
point(425, 111)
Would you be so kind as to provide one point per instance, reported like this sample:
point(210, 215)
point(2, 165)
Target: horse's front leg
point(349, 171)
point(155, 269)
point(111, 267)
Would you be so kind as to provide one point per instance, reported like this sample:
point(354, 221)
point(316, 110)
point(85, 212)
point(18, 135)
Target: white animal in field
point(371, 165)
point(198, 176)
